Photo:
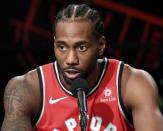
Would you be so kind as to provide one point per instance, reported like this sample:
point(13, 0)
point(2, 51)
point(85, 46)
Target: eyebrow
point(60, 41)
point(81, 42)
point(78, 42)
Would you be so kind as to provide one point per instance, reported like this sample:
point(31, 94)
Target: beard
point(68, 80)
point(83, 73)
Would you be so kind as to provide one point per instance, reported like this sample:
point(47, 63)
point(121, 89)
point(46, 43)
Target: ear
point(102, 44)
point(54, 41)
point(54, 38)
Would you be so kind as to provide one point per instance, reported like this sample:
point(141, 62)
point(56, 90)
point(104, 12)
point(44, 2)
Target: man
point(119, 97)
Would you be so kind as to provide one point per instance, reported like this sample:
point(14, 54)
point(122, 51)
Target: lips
point(72, 73)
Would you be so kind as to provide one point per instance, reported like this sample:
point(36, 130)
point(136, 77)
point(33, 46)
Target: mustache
point(72, 68)
point(68, 68)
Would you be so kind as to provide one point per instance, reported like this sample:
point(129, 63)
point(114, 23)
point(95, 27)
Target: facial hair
point(83, 74)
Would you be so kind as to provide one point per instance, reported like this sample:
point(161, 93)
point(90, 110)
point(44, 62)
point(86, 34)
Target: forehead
point(73, 29)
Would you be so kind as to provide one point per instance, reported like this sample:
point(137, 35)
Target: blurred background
point(134, 31)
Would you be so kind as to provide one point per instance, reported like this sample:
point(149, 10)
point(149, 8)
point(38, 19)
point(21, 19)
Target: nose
point(72, 58)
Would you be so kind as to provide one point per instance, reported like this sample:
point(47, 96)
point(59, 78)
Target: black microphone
point(79, 87)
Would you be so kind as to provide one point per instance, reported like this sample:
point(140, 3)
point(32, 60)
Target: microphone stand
point(79, 87)
point(83, 109)
point(83, 120)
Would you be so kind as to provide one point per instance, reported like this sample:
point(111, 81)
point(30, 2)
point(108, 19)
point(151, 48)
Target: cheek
point(59, 57)
point(89, 60)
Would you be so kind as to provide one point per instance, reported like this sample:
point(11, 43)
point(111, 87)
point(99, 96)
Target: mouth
point(72, 73)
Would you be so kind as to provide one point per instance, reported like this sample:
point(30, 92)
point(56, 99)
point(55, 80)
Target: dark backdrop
point(134, 30)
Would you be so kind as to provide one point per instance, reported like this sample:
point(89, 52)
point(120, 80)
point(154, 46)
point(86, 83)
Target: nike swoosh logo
point(53, 101)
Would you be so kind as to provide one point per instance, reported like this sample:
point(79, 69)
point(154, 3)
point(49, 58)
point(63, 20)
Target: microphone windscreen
point(79, 84)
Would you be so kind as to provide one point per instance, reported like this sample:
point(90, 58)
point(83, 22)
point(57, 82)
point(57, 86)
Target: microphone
point(79, 87)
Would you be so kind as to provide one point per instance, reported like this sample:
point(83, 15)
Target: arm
point(141, 97)
point(20, 102)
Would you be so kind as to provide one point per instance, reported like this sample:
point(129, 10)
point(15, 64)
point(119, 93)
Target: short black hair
point(75, 12)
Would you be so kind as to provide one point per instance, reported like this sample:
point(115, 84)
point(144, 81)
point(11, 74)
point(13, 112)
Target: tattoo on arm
point(18, 101)
point(16, 125)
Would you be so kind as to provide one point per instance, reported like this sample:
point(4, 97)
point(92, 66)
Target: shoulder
point(30, 79)
point(138, 86)
point(138, 78)
point(23, 91)
point(133, 75)
point(21, 99)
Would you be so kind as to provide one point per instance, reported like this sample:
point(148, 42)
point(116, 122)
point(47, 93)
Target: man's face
point(76, 49)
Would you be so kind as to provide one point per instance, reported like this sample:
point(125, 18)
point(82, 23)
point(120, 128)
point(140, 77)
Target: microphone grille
point(79, 84)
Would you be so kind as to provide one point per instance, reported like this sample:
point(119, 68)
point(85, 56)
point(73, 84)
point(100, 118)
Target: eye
point(62, 47)
point(83, 48)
